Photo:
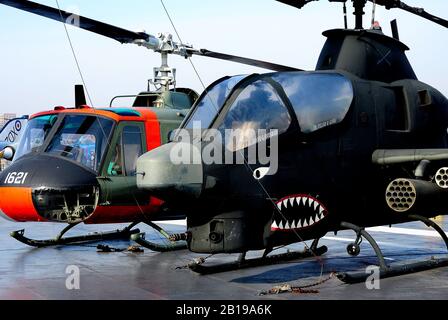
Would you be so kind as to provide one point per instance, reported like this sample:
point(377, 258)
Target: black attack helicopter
point(361, 142)
point(78, 165)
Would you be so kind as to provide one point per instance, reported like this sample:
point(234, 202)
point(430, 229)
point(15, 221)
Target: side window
point(258, 107)
point(126, 152)
point(132, 148)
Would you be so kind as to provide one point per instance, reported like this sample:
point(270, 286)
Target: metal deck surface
point(27, 273)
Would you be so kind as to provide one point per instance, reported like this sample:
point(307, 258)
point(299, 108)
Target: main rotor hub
point(164, 78)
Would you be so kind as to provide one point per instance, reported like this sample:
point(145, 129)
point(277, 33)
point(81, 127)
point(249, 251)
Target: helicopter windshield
point(37, 130)
point(211, 103)
point(82, 139)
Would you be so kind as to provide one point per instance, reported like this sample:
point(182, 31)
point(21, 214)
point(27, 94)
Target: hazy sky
point(38, 70)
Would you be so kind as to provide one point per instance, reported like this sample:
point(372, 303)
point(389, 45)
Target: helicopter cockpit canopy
point(319, 100)
point(274, 101)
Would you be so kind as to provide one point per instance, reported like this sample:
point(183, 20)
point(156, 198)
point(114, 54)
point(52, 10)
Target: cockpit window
point(82, 139)
point(36, 131)
point(210, 104)
point(257, 107)
point(319, 99)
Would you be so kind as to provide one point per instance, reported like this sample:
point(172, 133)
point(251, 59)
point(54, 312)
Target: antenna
point(394, 27)
point(344, 10)
point(80, 97)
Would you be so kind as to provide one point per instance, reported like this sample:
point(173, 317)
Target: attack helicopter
point(356, 143)
point(78, 165)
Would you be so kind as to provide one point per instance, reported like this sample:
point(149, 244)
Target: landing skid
point(176, 242)
point(244, 263)
point(397, 269)
point(61, 240)
point(124, 234)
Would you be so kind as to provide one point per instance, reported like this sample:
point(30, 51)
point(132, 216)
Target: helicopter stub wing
point(104, 29)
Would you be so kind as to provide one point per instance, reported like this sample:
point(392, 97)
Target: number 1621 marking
point(16, 178)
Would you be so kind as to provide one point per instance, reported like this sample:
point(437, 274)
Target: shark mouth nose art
point(298, 212)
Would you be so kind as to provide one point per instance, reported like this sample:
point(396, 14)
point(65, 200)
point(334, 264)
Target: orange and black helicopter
point(78, 165)
point(357, 143)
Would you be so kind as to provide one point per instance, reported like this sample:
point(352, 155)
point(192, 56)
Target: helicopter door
point(118, 181)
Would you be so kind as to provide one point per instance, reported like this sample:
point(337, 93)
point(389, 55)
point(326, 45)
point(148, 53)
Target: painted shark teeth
point(298, 212)
point(291, 201)
point(304, 201)
point(311, 203)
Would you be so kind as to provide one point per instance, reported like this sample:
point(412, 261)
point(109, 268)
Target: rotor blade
point(389, 4)
point(126, 36)
point(242, 60)
point(107, 30)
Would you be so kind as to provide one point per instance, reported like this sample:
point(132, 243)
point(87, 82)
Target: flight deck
point(29, 273)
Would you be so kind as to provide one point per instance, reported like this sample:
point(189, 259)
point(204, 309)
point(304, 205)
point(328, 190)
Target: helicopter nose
point(172, 171)
point(4, 216)
point(46, 188)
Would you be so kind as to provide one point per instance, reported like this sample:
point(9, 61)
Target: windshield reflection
point(36, 131)
point(82, 139)
point(209, 106)
point(319, 99)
